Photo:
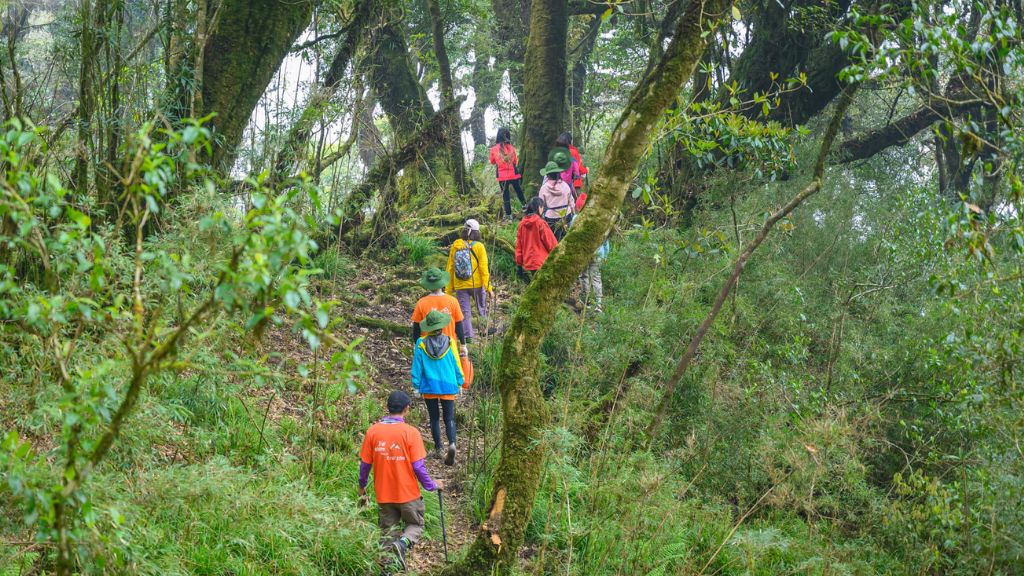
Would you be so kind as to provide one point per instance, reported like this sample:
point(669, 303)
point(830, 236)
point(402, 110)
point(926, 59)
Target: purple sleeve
point(364, 473)
point(420, 468)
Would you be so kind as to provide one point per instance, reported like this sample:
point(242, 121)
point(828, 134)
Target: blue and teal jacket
point(436, 367)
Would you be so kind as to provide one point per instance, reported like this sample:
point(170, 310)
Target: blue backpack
point(464, 262)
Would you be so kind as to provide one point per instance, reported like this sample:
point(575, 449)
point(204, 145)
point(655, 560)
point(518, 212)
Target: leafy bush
point(416, 249)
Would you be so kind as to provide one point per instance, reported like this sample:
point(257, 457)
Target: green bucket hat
point(434, 279)
point(560, 155)
point(550, 168)
point(435, 321)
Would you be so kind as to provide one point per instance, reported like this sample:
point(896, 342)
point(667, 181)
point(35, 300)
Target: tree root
point(393, 328)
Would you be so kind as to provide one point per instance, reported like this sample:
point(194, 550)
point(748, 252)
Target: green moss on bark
point(524, 411)
point(544, 90)
point(251, 39)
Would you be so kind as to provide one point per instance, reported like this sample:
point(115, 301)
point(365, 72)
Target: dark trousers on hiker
point(404, 520)
point(466, 297)
point(559, 226)
point(506, 186)
point(434, 408)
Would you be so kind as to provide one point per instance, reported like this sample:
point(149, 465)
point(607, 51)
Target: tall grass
point(216, 518)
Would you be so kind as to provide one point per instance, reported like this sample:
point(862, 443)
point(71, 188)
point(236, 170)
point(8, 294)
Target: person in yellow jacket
point(470, 275)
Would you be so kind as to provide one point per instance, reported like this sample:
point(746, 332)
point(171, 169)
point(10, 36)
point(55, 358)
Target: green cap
point(434, 279)
point(560, 155)
point(435, 321)
point(550, 168)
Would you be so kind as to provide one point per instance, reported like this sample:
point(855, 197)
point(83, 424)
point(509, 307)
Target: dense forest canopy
point(214, 216)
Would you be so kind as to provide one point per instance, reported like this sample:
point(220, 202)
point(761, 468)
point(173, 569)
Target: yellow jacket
point(481, 271)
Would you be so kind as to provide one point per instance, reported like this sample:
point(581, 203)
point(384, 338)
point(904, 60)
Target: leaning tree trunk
point(251, 39)
point(781, 45)
point(544, 91)
point(525, 413)
point(390, 72)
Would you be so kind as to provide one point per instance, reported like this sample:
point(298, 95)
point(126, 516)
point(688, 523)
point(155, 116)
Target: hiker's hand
point(439, 485)
point(364, 500)
point(464, 351)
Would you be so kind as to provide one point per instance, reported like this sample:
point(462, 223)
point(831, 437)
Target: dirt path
point(389, 356)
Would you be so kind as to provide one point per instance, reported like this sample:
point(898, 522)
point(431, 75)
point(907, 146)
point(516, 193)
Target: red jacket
point(506, 163)
point(534, 241)
point(578, 182)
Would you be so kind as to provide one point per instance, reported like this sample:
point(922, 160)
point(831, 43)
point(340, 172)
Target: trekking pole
point(444, 532)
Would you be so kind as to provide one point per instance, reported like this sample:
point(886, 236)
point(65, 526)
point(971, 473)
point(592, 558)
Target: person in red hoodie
point(534, 240)
point(504, 158)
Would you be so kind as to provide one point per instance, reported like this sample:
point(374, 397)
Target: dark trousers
point(506, 193)
point(448, 407)
point(559, 226)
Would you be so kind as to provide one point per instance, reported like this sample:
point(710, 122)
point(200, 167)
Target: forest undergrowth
point(779, 456)
point(211, 240)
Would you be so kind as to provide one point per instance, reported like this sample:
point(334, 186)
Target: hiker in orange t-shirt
point(435, 280)
point(394, 451)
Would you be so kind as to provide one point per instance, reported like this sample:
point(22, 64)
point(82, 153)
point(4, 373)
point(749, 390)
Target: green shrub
point(416, 249)
point(335, 265)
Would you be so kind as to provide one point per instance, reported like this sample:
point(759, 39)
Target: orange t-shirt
point(442, 303)
point(391, 448)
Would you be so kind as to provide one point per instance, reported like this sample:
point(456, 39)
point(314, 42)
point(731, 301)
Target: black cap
point(398, 401)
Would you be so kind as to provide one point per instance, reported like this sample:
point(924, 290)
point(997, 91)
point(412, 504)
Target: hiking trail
point(388, 354)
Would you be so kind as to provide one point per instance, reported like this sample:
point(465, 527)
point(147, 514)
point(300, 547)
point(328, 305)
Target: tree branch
point(741, 261)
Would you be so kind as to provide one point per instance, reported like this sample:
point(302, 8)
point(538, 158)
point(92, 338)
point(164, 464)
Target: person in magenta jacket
point(505, 160)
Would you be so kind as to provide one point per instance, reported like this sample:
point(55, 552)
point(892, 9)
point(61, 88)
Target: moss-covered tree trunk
point(249, 41)
point(486, 81)
point(544, 90)
point(785, 40)
point(524, 411)
point(580, 55)
point(389, 71)
point(456, 156)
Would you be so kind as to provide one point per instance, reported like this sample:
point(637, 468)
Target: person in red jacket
point(534, 240)
point(504, 158)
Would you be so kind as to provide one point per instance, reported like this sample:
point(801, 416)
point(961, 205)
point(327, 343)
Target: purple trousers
point(466, 298)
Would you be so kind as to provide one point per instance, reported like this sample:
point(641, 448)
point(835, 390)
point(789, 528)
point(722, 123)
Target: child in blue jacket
point(437, 375)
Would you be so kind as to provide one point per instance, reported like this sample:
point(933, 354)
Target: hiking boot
point(401, 546)
point(450, 458)
point(436, 454)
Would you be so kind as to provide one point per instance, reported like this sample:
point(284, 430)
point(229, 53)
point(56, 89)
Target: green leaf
point(82, 220)
point(736, 13)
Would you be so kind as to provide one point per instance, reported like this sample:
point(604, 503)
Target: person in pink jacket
point(557, 196)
